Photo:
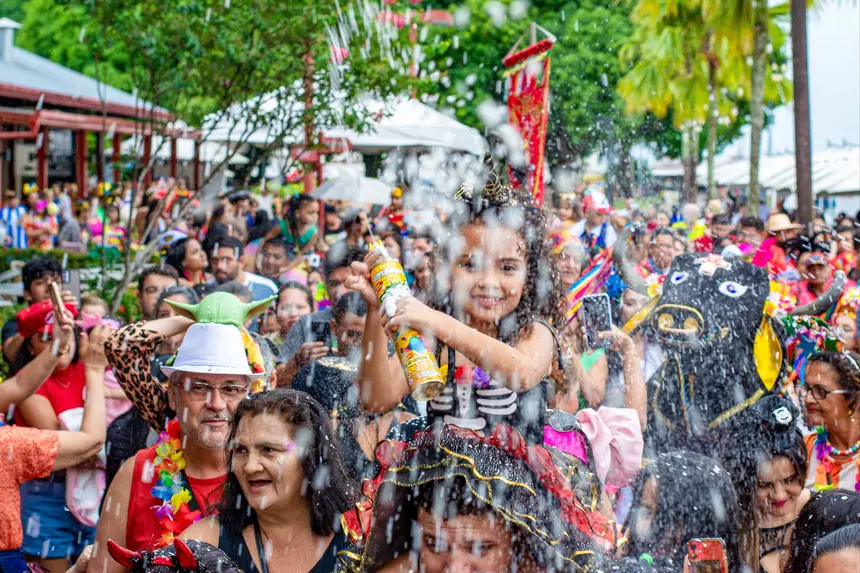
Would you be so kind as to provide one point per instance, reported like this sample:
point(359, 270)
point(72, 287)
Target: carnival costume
point(181, 557)
point(519, 483)
point(723, 351)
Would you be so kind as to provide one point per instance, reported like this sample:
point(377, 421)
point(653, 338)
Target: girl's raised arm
point(519, 368)
point(381, 380)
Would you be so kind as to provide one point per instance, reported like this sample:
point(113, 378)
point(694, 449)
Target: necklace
point(828, 467)
point(173, 513)
point(846, 452)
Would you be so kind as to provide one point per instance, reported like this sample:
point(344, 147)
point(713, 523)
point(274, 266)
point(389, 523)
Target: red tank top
point(142, 530)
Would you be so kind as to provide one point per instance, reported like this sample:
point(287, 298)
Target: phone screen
point(72, 282)
point(596, 317)
point(321, 332)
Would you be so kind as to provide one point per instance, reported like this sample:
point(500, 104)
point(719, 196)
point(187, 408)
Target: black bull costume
point(723, 352)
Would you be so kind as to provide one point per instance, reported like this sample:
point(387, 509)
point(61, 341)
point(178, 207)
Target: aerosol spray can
point(422, 373)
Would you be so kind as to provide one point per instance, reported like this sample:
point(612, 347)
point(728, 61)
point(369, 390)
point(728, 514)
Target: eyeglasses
point(229, 393)
point(820, 393)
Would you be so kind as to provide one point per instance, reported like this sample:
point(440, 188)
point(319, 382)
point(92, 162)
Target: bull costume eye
point(732, 289)
point(678, 277)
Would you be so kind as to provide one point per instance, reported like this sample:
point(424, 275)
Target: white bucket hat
point(211, 348)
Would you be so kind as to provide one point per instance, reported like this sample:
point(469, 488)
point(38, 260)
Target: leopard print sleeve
point(129, 352)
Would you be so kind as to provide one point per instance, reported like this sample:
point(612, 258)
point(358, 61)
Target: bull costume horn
point(122, 555)
point(825, 301)
point(625, 265)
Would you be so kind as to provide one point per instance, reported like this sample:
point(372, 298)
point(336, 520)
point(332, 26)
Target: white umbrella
point(354, 189)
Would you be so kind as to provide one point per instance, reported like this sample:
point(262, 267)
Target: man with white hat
point(594, 231)
point(169, 486)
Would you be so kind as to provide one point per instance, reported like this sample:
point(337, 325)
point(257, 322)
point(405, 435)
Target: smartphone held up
point(707, 556)
point(596, 318)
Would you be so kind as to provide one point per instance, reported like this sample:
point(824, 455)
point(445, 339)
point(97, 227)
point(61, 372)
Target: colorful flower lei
point(173, 514)
point(827, 465)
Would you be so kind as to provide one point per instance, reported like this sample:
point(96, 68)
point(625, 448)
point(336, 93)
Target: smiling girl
point(496, 282)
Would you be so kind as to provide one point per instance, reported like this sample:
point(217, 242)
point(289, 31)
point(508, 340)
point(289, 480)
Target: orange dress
point(27, 453)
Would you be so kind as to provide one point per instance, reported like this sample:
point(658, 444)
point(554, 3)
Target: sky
point(833, 32)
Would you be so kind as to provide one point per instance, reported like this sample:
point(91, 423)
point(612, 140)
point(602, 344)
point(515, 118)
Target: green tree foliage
point(59, 32)
point(461, 68)
point(246, 66)
point(12, 9)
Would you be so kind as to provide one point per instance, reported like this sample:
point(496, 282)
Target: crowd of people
point(257, 417)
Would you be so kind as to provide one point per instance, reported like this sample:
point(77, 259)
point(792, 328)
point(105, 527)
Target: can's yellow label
point(386, 275)
point(420, 366)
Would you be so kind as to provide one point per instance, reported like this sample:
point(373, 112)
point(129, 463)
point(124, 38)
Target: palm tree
point(757, 30)
point(687, 64)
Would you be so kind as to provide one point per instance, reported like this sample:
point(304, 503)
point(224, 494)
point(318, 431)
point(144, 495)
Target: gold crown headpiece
point(494, 193)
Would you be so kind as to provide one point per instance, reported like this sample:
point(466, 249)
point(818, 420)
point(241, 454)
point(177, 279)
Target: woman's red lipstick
point(779, 503)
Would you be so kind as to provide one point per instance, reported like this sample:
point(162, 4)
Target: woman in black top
point(285, 490)
point(781, 473)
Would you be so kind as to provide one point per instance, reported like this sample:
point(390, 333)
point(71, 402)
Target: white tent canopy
point(411, 123)
point(258, 121)
point(355, 189)
point(403, 122)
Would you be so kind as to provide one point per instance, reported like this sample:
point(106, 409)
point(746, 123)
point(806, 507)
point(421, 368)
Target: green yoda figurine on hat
point(226, 308)
point(222, 308)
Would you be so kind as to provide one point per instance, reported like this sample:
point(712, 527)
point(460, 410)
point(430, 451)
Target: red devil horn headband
point(122, 555)
point(186, 557)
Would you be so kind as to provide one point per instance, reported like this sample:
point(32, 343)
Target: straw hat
point(210, 348)
point(780, 222)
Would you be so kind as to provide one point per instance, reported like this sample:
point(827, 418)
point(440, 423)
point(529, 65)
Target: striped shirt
point(16, 238)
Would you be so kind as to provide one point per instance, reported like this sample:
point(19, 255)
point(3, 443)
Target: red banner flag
point(527, 87)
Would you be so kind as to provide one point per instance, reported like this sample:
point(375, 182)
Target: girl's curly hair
point(498, 204)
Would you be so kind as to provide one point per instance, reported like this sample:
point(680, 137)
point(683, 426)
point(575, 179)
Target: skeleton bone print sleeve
point(129, 352)
point(471, 399)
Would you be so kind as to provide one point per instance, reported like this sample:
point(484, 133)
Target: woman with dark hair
point(393, 243)
point(779, 491)
point(294, 301)
point(826, 512)
point(677, 497)
point(838, 551)
point(64, 528)
point(187, 256)
point(217, 227)
point(831, 396)
point(286, 488)
point(299, 226)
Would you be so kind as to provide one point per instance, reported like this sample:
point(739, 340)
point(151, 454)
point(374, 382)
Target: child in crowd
point(496, 283)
